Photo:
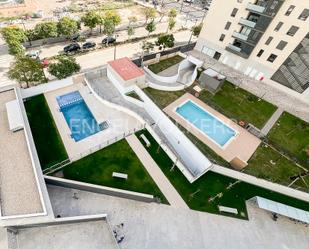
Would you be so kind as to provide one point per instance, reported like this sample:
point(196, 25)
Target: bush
point(64, 67)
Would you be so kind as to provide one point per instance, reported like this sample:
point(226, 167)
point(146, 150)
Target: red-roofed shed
point(125, 72)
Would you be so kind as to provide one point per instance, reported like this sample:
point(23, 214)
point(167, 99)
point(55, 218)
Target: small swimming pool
point(78, 116)
point(211, 126)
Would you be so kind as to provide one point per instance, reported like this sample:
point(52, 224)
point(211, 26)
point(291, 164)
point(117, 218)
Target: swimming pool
point(211, 126)
point(78, 116)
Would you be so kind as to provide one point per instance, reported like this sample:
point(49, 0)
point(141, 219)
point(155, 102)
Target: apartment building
point(265, 39)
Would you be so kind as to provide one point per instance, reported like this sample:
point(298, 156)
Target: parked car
point(73, 47)
point(89, 44)
point(35, 54)
point(108, 40)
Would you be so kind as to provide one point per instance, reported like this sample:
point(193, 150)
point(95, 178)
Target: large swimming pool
point(214, 128)
point(78, 116)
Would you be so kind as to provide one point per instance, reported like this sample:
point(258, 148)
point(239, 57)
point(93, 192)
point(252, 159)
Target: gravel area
point(19, 192)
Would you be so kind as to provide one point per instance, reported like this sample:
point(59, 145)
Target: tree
point(167, 41)
point(28, 71)
point(131, 32)
point(150, 27)
point(14, 37)
point(16, 48)
point(46, 30)
point(149, 13)
point(113, 16)
point(146, 48)
point(67, 26)
point(91, 19)
point(171, 24)
point(13, 34)
point(195, 31)
point(64, 67)
point(172, 13)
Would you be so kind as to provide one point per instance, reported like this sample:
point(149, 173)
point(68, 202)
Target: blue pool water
point(78, 116)
point(204, 121)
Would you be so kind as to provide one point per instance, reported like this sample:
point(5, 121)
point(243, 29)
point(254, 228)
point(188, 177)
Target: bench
point(228, 210)
point(120, 175)
point(145, 140)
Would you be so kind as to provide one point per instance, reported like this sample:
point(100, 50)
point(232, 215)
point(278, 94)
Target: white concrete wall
point(47, 87)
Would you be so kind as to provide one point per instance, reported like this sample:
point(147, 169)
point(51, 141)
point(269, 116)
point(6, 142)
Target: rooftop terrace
point(19, 191)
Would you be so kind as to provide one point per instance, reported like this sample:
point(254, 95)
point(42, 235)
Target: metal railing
point(68, 161)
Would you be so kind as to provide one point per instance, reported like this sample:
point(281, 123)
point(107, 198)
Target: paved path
point(155, 172)
point(156, 226)
point(272, 121)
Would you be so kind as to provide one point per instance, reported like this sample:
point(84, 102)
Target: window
point(272, 58)
point(281, 45)
point(269, 40)
point(227, 25)
point(303, 16)
point(234, 12)
point(289, 11)
point(292, 31)
point(279, 25)
point(259, 54)
point(222, 37)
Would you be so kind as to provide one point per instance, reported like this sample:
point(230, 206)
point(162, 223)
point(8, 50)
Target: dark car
point(108, 40)
point(89, 44)
point(73, 47)
point(75, 37)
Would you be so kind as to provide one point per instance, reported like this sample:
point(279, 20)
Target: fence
point(182, 49)
point(87, 152)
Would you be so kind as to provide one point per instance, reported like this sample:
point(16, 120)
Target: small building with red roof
point(125, 73)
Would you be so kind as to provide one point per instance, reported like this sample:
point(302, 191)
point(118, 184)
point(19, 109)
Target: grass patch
point(45, 133)
point(239, 104)
point(134, 95)
point(163, 98)
point(98, 168)
point(291, 135)
point(164, 64)
point(268, 164)
point(211, 184)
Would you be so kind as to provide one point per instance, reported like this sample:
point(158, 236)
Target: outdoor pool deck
point(242, 146)
point(119, 122)
point(19, 190)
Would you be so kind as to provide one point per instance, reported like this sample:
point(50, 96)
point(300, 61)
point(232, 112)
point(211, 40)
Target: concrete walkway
point(155, 172)
point(272, 121)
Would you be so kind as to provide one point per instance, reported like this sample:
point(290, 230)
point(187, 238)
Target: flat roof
point(19, 191)
point(79, 235)
point(126, 69)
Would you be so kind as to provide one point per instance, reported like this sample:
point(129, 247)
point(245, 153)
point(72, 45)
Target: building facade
point(262, 38)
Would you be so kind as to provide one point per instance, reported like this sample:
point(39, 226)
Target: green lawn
point(291, 134)
point(197, 195)
point(239, 104)
point(45, 134)
point(164, 64)
point(163, 98)
point(98, 168)
point(268, 164)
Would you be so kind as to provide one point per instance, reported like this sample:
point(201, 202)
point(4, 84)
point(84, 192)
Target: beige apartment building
point(264, 39)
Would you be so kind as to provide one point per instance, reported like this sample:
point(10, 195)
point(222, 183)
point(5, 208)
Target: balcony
point(234, 48)
point(255, 8)
point(240, 36)
point(247, 23)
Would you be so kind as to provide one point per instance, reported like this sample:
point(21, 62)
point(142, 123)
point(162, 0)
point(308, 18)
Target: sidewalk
point(272, 121)
point(157, 175)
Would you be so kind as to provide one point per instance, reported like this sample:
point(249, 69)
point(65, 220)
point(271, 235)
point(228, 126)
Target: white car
point(34, 54)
